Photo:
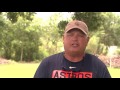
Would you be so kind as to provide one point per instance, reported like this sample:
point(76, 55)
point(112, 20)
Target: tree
point(61, 26)
point(13, 16)
point(110, 35)
point(92, 19)
point(26, 43)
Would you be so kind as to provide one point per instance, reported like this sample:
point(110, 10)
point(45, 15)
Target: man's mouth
point(75, 45)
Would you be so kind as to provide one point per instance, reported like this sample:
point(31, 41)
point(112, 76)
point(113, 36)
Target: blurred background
point(26, 38)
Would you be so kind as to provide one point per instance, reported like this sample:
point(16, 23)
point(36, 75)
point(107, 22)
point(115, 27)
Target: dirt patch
point(5, 61)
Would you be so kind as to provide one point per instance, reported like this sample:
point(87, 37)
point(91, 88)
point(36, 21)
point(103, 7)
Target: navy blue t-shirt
point(57, 66)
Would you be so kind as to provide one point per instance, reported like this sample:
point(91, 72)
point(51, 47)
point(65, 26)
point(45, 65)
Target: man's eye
point(81, 35)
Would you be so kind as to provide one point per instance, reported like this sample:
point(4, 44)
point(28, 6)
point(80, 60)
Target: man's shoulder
point(54, 57)
point(94, 59)
point(88, 55)
point(91, 55)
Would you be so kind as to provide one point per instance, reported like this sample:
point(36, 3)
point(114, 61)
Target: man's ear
point(63, 36)
point(88, 38)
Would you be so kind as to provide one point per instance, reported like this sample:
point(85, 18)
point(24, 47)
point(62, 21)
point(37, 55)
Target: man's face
point(75, 41)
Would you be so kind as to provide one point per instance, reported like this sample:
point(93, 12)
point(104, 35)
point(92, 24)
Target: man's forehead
point(74, 30)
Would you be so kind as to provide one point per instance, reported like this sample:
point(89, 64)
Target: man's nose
point(75, 37)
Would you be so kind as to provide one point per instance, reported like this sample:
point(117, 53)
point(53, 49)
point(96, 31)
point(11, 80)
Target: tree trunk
point(21, 54)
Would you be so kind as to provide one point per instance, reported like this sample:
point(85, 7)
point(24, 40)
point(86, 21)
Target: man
point(73, 62)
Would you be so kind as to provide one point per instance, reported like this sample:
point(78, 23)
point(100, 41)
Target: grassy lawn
point(21, 70)
point(27, 70)
point(115, 72)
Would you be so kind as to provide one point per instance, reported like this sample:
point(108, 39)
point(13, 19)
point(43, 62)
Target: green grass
point(27, 70)
point(115, 72)
point(19, 70)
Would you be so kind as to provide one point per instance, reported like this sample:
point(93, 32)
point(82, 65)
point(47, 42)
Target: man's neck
point(74, 57)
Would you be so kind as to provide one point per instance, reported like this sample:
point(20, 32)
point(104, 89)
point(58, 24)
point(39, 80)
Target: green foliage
point(93, 45)
point(110, 35)
point(61, 26)
point(27, 45)
point(28, 40)
point(13, 16)
point(2, 21)
point(118, 51)
point(51, 38)
point(19, 41)
point(92, 19)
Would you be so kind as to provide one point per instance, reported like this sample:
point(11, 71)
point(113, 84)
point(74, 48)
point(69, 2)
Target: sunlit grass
point(18, 70)
point(115, 72)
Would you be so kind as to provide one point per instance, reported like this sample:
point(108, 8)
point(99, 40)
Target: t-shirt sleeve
point(103, 71)
point(41, 71)
point(106, 73)
point(99, 68)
